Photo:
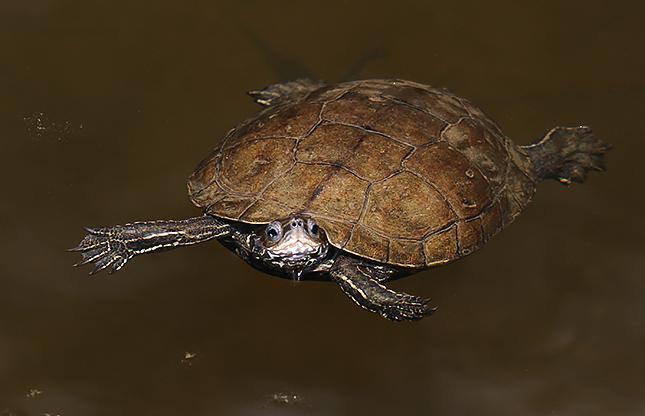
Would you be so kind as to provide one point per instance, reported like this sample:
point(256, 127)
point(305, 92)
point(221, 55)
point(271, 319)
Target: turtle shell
point(393, 171)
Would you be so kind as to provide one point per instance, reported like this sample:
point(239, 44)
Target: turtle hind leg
point(567, 154)
point(285, 92)
point(366, 291)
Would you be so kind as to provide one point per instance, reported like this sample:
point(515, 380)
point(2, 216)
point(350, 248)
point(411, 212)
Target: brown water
point(105, 108)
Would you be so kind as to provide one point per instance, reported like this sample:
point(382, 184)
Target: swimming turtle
point(359, 183)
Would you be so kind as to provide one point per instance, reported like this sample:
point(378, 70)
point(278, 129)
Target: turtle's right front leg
point(360, 283)
point(114, 246)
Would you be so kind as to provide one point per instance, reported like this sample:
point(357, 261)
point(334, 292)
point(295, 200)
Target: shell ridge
point(366, 197)
point(319, 188)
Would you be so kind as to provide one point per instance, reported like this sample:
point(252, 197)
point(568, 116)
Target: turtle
point(359, 183)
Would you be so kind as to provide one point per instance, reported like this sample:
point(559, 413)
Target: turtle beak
point(299, 235)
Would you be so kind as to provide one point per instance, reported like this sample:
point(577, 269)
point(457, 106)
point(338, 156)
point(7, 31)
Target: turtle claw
point(90, 241)
point(88, 258)
point(117, 265)
point(102, 263)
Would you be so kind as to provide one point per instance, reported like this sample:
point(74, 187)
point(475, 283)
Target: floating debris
point(40, 126)
point(33, 393)
point(287, 399)
point(189, 358)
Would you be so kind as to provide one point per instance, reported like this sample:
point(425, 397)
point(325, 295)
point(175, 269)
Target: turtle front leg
point(114, 246)
point(365, 290)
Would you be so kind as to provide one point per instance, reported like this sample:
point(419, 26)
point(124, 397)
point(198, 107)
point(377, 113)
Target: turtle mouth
point(296, 252)
point(295, 246)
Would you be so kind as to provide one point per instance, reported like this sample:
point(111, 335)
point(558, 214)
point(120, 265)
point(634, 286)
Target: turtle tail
point(567, 154)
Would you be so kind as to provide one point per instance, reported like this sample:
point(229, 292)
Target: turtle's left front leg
point(362, 286)
point(114, 246)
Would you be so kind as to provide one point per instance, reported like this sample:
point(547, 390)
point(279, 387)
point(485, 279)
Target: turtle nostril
point(296, 223)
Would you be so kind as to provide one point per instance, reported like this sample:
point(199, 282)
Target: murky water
point(105, 108)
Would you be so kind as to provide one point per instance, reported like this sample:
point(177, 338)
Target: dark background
point(106, 107)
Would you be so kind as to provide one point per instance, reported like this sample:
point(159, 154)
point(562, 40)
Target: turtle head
point(291, 245)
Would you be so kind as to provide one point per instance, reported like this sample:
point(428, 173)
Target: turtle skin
point(396, 172)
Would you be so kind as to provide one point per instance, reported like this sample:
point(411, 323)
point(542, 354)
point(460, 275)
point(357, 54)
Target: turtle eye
point(312, 227)
point(274, 231)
